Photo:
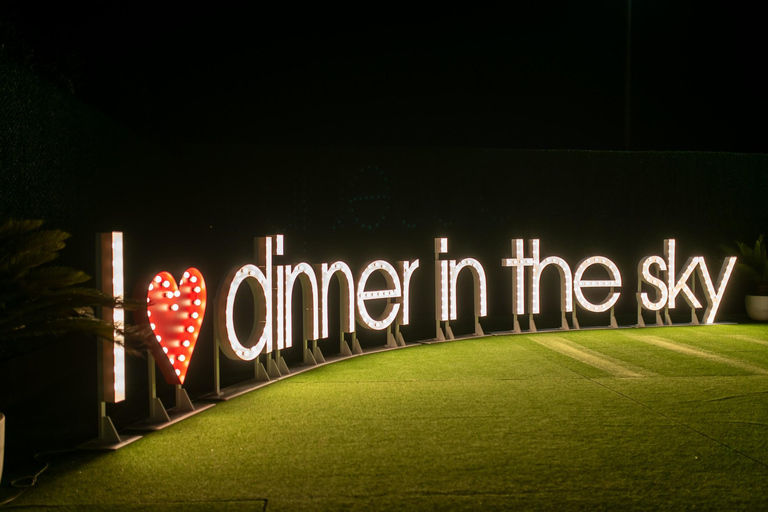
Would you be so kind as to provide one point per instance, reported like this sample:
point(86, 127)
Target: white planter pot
point(2, 443)
point(757, 307)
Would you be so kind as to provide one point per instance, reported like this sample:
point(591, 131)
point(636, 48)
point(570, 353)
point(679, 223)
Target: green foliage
point(753, 264)
point(38, 299)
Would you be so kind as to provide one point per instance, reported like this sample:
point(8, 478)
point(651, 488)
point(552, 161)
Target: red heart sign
point(175, 315)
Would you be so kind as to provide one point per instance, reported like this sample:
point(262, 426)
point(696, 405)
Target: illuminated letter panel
point(579, 283)
point(393, 291)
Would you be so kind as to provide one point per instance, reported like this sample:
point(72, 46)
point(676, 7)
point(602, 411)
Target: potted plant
point(753, 265)
point(40, 302)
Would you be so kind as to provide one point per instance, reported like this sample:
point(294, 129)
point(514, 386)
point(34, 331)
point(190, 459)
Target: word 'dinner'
point(273, 292)
point(273, 288)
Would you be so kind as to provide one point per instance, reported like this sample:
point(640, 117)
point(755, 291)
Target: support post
point(259, 372)
point(309, 359)
point(156, 410)
point(478, 328)
point(531, 323)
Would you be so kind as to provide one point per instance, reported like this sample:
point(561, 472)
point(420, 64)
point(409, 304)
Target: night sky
point(547, 77)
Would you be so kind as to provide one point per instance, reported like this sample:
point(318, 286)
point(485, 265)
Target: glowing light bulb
point(158, 279)
point(190, 329)
point(185, 343)
point(181, 357)
point(197, 302)
point(193, 279)
point(195, 314)
point(166, 283)
point(174, 307)
point(197, 289)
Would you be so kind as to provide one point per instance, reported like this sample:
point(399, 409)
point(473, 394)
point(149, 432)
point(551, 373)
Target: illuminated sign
point(175, 314)
point(668, 290)
point(112, 284)
point(273, 287)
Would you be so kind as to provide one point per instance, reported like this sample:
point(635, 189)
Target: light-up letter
point(406, 269)
point(579, 283)
point(309, 293)
point(346, 295)
point(681, 285)
point(566, 281)
point(393, 291)
point(480, 293)
point(175, 313)
point(714, 294)
point(259, 339)
point(112, 284)
point(519, 262)
point(441, 280)
point(644, 275)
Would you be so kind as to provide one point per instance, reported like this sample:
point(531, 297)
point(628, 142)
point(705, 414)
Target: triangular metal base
point(109, 439)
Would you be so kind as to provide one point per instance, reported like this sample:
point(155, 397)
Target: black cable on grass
point(32, 479)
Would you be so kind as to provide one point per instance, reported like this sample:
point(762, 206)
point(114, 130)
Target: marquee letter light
point(175, 314)
point(519, 262)
point(304, 273)
point(579, 283)
point(346, 295)
point(406, 268)
point(681, 285)
point(441, 281)
point(259, 339)
point(478, 275)
point(393, 291)
point(644, 275)
point(112, 283)
point(714, 294)
point(566, 281)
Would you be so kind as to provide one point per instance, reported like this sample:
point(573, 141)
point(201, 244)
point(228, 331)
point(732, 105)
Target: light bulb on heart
point(175, 314)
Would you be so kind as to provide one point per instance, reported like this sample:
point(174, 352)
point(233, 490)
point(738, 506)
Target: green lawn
point(658, 418)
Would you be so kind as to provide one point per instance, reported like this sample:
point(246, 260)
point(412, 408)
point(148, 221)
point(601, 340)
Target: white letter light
point(406, 272)
point(714, 294)
point(393, 291)
point(441, 280)
point(478, 275)
point(682, 280)
point(566, 281)
point(645, 276)
point(346, 296)
point(112, 284)
point(261, 288)
point(306, 276)
point(519, 262)
point(578, 283)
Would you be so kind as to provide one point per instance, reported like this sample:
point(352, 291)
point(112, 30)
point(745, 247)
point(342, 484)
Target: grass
point(658, 418)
